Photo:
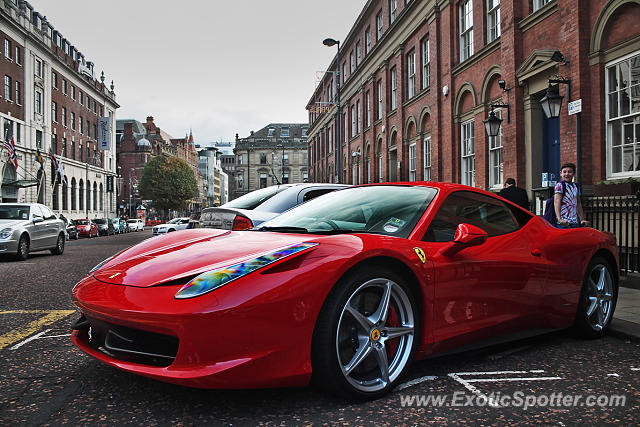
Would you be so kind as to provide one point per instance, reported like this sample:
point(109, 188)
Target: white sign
point(104, 133)
point(575, 106)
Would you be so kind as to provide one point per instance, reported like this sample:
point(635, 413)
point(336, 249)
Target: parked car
point(116, 225)
point(254, 208)
point(30, 227)
point(352, 286)
point(105, 227)
point(71, 229)
point(87, 228)
point(136, 224)
point(173, 225)
point(124, 226)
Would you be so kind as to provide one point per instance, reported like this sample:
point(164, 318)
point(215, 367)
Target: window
point(379, 109)
point(285, 159)
point(73, 120)
point(367, 41)
point(359, 117)
point(495, 157)
point(493, 20)
point(368, 113)
point(73, 149)
point(64, 147)
point(7, 88)
point(64, 116)
point(465, 13)
point(485, 212)
point(285, 178)
point(468, 153)
point(54, 80)
point(284, 132)
point(73, 92)
point(344, 72)
point(426, 158)
point(394, 89)
point(18, 55)
point(7, 49)
point(81, 95)
point(537, 4)
point(352, 64)
point(18, 93)
point(80, 124)
point(411, 74)
point(64, 86)
point(412, 162)
point(81, 196)
point(426, 73)
point(38, 68)
point(623, 116)
point(393, 9)
point(353, 121)
point(263, 159)
point(379, 26)
point(38, 139)
point(38, 101)
point(380, 178)
point(263, 180)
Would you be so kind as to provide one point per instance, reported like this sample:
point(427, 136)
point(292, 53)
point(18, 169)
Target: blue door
point(551, 147)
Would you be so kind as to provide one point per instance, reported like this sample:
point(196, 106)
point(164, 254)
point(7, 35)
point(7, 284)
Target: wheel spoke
point(606, 297)
point(362, 320)
point(593, 287)
point(601, 279)
point(383, 363)
point(593, 303)
point(380, 315)
point(360, 355)
point(391, 333)
point(600, 317)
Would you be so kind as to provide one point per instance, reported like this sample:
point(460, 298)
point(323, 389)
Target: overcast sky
point(219, 67)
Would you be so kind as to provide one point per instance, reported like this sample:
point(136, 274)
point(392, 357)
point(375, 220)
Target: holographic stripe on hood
point(210, 280)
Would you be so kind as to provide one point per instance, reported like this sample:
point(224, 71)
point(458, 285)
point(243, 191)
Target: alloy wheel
point(599, 297)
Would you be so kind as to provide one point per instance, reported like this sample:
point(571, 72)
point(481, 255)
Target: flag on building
point(11, 147)
point(54, 168)
point(39, 158)
point(61, 171)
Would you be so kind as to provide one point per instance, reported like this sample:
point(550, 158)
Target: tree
point(169, 182)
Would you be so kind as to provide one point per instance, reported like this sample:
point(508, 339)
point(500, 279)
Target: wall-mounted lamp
point(492, 123)
point(552, 100)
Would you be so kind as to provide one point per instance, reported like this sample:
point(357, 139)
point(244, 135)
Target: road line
point(635, 369)
point(19, 334)
point(474, 390)
point(492, 373)
point(414, 382)
point(31, 338)
point(497, 380)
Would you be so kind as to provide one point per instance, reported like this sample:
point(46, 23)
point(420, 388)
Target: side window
point(471, 208)
point(36, 212)
point(47, 212)
point(312, 194)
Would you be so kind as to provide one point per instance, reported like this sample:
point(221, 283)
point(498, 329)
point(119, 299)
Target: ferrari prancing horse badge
point(420, 254)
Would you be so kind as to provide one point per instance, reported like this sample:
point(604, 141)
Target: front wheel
point(23, 248)
point(597, 299)
point(365, 335)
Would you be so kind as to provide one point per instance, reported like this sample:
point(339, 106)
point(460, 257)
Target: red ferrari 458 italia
point(348, 288)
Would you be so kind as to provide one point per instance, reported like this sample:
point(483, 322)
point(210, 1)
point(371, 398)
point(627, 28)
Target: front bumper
point(8, 246)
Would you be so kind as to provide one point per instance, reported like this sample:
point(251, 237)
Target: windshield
point(14, 212)
point(132, 221)
point(253, 199)
point(82, 222)
point(99, 221)
point(381, 209)
point(174, 221)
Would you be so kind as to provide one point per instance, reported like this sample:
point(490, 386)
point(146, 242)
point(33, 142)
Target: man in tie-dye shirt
point(567, 201)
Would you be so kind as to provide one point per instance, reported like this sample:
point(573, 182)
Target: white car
point(136, 224)
point(173, 225)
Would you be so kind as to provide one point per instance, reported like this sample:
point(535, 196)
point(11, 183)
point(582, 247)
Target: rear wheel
point(23, 248)
point(365, 335)
point(59, 249)
point(597, 299)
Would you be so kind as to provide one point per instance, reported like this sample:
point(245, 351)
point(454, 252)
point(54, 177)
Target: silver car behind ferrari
point(29, 227)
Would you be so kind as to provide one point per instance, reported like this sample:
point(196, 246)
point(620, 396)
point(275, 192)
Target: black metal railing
point(619, 215)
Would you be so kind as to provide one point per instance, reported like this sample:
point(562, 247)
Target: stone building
point(275, 154)
point(419, 79)
point(216, 179)
point(52, 102)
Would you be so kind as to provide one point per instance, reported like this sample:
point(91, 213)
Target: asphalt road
point(44, 380)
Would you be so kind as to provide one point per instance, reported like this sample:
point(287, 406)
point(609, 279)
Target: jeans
point(570, 225)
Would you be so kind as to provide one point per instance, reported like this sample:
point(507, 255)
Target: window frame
point(493, 17)
point(465, 33)
point(411, 74)
point(467, 153)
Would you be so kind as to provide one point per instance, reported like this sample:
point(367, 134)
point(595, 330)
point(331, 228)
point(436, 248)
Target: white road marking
point(613, 375)
point(39, 335)
point(494, 380)
point(414, 382)
point(635, 369)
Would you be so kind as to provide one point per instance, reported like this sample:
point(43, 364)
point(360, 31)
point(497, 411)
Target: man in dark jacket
point(515, 194)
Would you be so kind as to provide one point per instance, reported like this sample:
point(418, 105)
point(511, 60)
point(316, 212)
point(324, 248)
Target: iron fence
point(619, 215)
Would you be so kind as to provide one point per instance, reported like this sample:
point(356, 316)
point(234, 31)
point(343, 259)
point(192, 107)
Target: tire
point(77, 236)
point(59, 249)
point(23, 248)
point(597, 299)
point(365, 335)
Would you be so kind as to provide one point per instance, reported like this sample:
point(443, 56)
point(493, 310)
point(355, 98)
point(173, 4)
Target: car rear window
point(253, 199)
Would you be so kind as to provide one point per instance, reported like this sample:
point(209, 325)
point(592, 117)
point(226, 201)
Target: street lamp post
point(282, 166)
point(331, 42)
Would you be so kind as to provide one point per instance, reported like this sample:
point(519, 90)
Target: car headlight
point(100, 264)
point(210, 280)
point(5, 233)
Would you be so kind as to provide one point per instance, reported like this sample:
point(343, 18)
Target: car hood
point(187, 253)
point(12, 223)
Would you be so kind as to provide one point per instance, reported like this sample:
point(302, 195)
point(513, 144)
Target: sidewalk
point(626, 318)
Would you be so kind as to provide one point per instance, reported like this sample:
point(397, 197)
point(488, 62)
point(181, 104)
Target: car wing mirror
point(38, 219)
point(467, 235)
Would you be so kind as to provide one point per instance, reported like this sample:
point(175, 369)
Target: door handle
point(536, 252)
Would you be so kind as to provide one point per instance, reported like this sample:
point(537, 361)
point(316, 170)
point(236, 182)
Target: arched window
point(65, 194)
point(88, 197)
point(95, 196)
point(74, 194)
point(56, 202)
point(101, 197)
point(81, 195)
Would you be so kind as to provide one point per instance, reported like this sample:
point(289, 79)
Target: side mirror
point(38, 219)
point(467, 235)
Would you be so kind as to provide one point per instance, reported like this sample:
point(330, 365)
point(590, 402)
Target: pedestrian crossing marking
point(18, 334)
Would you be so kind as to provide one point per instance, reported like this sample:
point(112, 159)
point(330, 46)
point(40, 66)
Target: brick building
point(275, 154)
point(137, 143)
point(52, 102)
point(418, 79)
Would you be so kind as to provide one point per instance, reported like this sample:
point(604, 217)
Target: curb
point(624, 329)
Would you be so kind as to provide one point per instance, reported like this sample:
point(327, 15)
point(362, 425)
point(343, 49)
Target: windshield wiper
point(283, 229)
point(338, 231)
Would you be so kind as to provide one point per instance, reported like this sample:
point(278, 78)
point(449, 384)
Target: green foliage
point(169, 182)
